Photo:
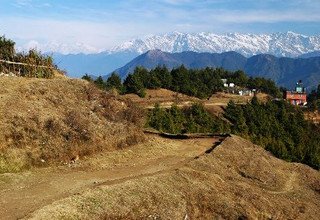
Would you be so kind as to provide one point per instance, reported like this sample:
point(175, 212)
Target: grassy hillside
point(52, 121)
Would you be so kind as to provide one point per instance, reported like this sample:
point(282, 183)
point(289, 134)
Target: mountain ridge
point(284, 71)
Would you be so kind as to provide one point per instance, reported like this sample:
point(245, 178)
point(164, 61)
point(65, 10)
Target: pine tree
point(114, 82)
point(87, 77)
point(100, 83)
point(134, 84)
point(7, 50)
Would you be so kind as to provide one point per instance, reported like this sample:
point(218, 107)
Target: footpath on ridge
point(23, 193)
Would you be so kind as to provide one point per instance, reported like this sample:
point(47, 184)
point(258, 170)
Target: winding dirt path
point(21, 194)
point(188, 104)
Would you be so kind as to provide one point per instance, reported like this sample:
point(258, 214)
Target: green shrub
point(194, 119)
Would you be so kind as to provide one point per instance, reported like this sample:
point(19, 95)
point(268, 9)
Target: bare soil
point(236, 180)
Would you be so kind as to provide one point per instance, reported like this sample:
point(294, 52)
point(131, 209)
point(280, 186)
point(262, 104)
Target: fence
point(17, 71)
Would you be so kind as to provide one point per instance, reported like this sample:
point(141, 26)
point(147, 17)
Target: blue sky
point(94, 25)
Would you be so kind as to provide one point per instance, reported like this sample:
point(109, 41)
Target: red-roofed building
point(298, 96)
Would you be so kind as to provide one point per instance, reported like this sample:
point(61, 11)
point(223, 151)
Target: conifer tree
point(100, 83)
point(114, 82)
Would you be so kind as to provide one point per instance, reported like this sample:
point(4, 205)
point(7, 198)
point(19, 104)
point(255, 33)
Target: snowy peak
point(287, 44)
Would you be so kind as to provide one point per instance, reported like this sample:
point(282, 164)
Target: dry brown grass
point(160, 96)
point(312, 116)
point(166, 98)
point(237, 180)
point(50, 121)
point(224, 98)
point(23, 192)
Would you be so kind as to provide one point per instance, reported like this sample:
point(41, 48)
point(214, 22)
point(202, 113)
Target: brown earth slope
point(46, 121)
point(236, 180)
point(23, 193)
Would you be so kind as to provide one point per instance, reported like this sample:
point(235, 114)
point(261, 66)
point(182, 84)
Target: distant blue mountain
point(284, 71)
point(311, 54)
point(77, 65)
point(194, 60)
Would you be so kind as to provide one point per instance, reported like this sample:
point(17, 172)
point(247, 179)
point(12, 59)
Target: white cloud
point(23, 3)
point(54, 46)
point(31, 4)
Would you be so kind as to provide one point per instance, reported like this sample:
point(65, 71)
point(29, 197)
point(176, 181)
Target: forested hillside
point(201, 83)
point(284, 71)
point(278, 126)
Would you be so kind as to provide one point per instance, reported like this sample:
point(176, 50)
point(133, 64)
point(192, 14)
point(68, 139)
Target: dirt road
point(23, 193)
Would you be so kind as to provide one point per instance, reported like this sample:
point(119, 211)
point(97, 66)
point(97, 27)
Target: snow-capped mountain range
point(287, 44)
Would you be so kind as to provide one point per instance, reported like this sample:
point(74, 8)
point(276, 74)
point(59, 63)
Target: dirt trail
point(26, 192)
point(188, 104)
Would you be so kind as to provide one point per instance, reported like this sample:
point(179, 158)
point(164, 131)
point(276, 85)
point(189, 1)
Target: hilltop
point(70, 149)
point(236, 180)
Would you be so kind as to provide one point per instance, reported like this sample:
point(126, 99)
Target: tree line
point(201, 83)
point(36, 64)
